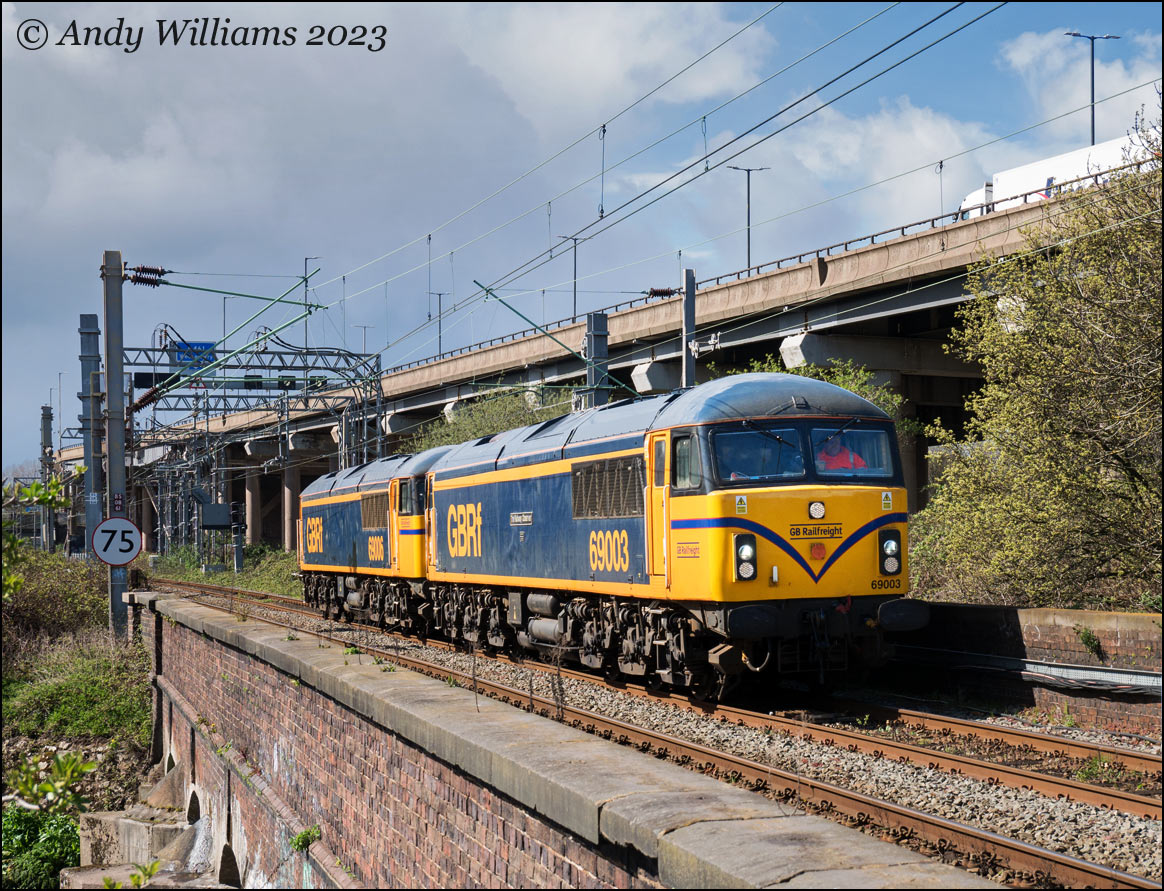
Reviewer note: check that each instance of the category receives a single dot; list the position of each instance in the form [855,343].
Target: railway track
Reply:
[967,846]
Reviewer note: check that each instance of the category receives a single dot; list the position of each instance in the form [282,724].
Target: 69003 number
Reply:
[609,551]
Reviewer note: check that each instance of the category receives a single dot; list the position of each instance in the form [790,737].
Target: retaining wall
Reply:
[1075,637]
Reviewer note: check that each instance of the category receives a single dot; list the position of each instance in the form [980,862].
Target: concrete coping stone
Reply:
[802,849]
[701,832]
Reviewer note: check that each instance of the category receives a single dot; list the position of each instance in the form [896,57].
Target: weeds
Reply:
[1091,641]
[303,840]
[265,569]
[1099,770]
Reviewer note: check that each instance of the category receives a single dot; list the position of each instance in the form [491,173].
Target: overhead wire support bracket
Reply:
[490,295]
[175,380]
[251,296]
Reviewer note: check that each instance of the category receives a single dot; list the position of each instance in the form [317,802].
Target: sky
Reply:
[480,126]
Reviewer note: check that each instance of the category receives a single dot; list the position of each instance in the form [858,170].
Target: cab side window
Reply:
[685,461]
[660,462]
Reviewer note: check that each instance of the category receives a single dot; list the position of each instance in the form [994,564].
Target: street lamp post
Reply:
[1092,38]
[748,171]
[364,347]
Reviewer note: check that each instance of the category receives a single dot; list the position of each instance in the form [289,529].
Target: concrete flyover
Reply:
[411,781]
[887,304]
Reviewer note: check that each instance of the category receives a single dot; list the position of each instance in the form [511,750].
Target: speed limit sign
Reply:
[116,541]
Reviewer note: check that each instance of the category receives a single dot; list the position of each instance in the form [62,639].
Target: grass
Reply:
[80,687]
[265,569]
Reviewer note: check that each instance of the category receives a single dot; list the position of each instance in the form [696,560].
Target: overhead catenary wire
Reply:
[567,148]
[804,208]
[589,179]
[526,268]
[882,181]
[851,192]
[646,349]
[521,270]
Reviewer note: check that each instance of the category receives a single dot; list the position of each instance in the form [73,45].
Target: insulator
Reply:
[662,292]
[148,279]
[148,398]
[158,271]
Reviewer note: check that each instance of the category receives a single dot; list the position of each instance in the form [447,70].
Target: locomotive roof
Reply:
[615,426]
[761,396]
[373,474]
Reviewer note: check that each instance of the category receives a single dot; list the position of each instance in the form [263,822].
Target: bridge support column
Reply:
[148,520]
[290,505]
[254,507]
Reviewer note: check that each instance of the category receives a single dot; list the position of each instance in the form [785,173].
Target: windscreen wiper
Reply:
[754,426]
[845,426]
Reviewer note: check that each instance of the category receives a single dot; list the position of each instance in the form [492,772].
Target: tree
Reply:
[1052,497]
[491,414]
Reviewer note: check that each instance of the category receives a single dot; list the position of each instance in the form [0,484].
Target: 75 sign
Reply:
[116,541]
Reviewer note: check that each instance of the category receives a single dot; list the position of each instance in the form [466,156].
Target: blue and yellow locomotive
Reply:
[756,522]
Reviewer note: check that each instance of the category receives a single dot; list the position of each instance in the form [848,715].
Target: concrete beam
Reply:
[655,377]
[902,354]
[313,442]
[291,491]
[261,448]
[254,506]
[403,422]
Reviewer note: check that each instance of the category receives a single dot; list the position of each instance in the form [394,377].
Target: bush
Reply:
[58,596]
[82,688]
[489,415]
[37,846]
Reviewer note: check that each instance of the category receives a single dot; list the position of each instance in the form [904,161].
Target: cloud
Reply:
[1056,72]
[616,53]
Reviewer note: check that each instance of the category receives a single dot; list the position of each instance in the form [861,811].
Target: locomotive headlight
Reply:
[745,547]
[816,510]
[889,547]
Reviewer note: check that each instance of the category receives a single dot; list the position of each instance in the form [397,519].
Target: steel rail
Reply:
[948,840]
[1144,762]
[853,740]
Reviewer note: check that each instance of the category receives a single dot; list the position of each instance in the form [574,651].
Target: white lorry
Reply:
[1038,181]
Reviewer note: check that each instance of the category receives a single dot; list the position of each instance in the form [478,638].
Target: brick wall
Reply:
[266,748]
[1126,640]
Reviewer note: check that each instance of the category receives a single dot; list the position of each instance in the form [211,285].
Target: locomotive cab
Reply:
[785,535]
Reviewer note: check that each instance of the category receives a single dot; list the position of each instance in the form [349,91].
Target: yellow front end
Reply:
[806,542]
[409,547]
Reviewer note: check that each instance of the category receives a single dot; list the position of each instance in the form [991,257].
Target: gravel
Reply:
[1112,838]
[1044,724]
